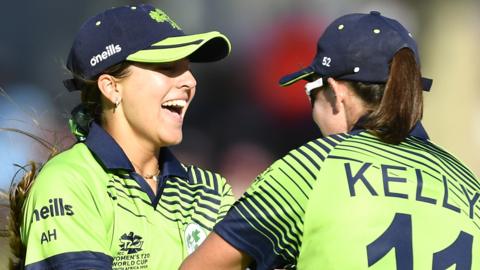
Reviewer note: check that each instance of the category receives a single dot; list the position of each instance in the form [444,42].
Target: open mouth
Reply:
[175,106]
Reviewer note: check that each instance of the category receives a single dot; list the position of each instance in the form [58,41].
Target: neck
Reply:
[355,111]
[140,151]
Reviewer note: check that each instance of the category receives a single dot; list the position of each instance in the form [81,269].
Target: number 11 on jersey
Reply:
[399,236]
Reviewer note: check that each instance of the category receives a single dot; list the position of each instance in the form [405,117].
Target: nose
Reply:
[187,80]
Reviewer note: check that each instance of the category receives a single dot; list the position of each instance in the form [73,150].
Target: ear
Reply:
[108,87]
[338,92]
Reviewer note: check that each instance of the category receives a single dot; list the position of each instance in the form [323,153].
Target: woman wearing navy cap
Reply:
[375,192]
[119,199]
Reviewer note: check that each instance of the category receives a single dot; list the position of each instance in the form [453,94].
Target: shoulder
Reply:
[206,178]
[69,168]
[299,168]
[75,157]
[312,153]
[441,159]
[69,177]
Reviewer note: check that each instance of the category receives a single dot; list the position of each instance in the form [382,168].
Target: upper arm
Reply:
[267,222]
[62,223]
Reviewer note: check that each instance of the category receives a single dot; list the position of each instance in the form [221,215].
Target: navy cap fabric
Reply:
[136,33]
[358,47]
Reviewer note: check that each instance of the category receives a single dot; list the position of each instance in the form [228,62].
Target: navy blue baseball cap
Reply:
[358,47]
[138,33]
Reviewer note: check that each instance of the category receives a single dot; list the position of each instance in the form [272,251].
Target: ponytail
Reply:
[395,111]
[17,196]
[18,193]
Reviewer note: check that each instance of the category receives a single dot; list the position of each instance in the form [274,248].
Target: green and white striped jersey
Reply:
[88,209]
[350,201]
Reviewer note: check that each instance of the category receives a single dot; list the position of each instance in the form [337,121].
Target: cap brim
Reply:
[296,76]
[307,72]
[204,47]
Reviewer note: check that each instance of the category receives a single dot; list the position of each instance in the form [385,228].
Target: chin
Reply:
[172,140]
[177,141]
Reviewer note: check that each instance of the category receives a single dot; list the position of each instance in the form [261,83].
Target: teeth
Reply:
[175,103]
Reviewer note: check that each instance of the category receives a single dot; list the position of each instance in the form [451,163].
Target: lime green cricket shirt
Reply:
[350,201]
[88,209]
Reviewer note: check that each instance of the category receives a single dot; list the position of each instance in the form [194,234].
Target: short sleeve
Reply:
[63,227]
[267,222]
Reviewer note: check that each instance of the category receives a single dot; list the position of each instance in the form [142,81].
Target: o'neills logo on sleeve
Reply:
[109,51]
[56,207]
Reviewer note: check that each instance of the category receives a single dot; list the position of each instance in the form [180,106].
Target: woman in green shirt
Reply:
[119,199]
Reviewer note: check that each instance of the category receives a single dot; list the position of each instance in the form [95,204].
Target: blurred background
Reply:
[240,119]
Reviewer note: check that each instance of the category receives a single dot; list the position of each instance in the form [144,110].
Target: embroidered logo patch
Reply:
[194,236]
[160,16]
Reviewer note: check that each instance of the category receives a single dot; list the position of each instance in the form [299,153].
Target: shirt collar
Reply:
[417,131]
[111,155]
[170,164]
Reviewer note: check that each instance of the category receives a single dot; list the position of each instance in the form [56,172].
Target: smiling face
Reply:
[154,100]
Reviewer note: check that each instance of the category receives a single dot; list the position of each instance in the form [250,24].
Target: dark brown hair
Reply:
[92,101]
[397,105]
